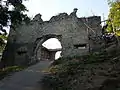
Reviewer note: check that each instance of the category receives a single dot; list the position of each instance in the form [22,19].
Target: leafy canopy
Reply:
[11,18]
[114,18]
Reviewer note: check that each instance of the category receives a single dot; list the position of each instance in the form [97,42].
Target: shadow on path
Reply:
[27,79]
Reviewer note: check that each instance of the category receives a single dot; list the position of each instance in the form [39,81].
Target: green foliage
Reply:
[114,18]
[3,38]
[15,16]
[110,2]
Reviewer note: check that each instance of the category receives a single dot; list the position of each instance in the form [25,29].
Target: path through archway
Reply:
[53,45]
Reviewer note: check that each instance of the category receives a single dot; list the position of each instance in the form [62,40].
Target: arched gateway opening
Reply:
[48,47]
[53,45]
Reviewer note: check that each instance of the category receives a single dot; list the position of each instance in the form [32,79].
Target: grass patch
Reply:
[5,71]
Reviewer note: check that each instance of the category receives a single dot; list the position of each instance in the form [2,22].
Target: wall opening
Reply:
[58,55]
[80,46]
[53,45]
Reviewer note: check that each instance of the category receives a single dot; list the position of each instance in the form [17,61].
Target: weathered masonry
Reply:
[25,43]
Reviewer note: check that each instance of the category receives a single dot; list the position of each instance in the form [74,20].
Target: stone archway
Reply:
[43,53]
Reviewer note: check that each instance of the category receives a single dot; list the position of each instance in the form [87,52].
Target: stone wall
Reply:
[73,32]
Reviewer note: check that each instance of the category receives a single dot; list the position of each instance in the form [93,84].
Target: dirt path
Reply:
[27,79]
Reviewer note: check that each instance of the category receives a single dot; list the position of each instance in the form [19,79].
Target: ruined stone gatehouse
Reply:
[25,43]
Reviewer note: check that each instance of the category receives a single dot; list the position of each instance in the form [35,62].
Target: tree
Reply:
[114,18]
[11,18]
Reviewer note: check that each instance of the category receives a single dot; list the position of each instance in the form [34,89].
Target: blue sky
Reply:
[48,8]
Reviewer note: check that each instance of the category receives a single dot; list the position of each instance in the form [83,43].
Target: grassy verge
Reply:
[6,71]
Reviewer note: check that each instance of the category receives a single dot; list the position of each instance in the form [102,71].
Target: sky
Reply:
[52,45]
[49,8]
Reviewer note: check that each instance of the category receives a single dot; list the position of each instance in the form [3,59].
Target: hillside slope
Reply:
[96,71]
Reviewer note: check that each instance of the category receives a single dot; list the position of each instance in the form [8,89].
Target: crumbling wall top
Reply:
[38,18]
[62,16]
[74,12]
[59,17]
